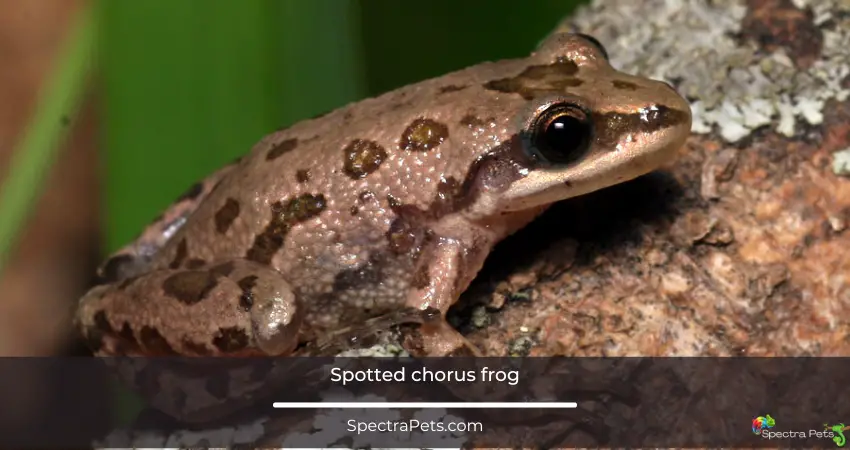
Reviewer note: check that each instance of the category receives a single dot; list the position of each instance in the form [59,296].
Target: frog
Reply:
[381,207]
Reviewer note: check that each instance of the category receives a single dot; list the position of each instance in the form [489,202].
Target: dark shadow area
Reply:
[599,221]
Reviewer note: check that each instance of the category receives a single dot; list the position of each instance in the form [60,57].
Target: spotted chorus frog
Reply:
[384,205]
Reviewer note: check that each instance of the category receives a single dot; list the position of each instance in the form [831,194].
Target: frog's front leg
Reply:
[450,263]
[235,307]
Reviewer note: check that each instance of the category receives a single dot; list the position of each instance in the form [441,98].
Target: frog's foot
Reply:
[237,307]
[368,333]
[438,338]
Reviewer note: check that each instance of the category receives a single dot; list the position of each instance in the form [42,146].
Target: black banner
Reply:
[448,402]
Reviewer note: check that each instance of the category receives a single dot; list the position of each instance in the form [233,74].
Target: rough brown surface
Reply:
[735,249]
[734,252]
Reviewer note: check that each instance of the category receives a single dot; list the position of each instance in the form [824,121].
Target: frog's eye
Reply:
[596,44]
[562,133]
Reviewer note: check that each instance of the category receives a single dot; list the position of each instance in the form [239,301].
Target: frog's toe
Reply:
[437,338]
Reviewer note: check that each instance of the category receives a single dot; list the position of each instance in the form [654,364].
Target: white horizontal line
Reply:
[424,405]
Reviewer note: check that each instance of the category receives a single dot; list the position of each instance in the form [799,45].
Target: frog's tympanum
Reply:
[387,204]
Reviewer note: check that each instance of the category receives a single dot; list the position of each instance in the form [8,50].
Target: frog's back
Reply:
[324,198]
[389,203]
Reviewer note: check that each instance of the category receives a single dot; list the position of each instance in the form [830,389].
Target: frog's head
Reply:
[586,126]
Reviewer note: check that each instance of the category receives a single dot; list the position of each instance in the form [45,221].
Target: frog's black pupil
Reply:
[565,138]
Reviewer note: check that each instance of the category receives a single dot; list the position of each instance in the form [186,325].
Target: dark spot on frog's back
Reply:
[284,216]
[625,85]
[231,339]
[154,343]
[406,233]
[362,157]
[538,80]
[225,216]
[190,287]
[302,176]
[280,148]
[302,208]
[423,134]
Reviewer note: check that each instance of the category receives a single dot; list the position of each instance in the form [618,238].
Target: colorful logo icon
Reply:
[761,423]
[838,431]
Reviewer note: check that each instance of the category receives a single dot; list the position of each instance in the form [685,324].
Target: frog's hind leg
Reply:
[230,308]
[134,258]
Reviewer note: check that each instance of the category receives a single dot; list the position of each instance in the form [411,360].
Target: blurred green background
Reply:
[191,84]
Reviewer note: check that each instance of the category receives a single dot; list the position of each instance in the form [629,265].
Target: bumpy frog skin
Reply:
[384,205]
